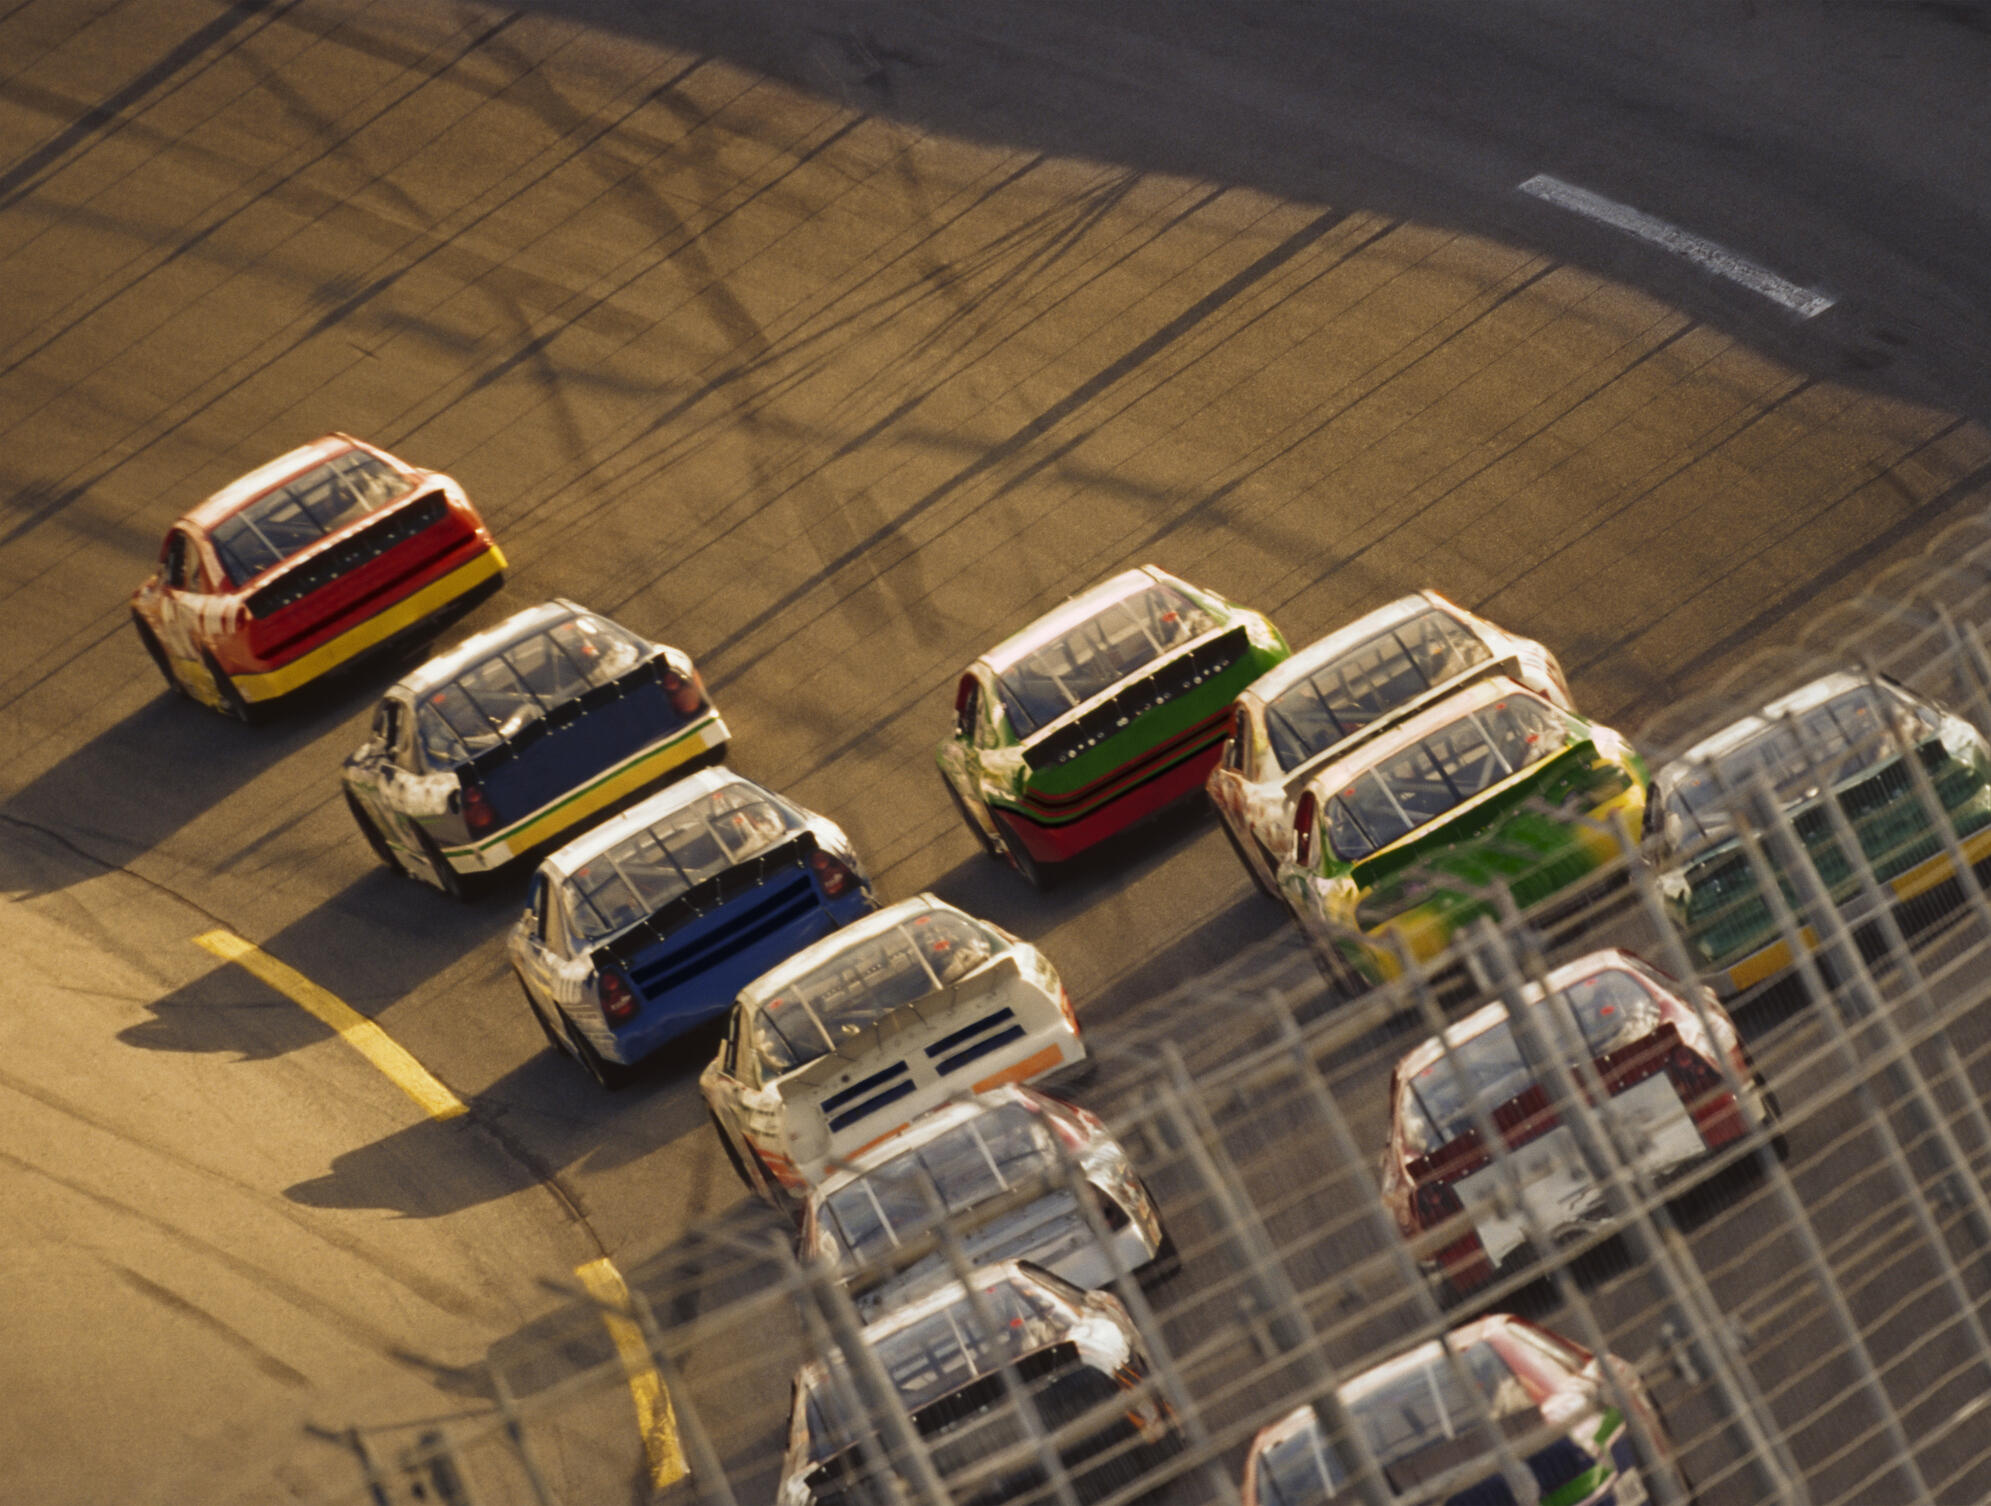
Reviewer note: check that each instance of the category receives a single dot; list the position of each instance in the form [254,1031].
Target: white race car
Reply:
[850,1040]
[1289,723]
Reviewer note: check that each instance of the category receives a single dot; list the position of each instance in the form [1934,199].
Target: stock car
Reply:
[497,746]
[304,564]
[951,1358]
[648,925]
[1406,839]
[1098,715]
[1547,1396]
[1841,734]
[1351,684]
[992,1167]
[1661,1072]
[847,1042]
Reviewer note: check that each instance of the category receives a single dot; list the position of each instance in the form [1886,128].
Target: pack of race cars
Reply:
[884,1066]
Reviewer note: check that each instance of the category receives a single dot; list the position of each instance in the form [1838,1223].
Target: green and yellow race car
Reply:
[1841,734]
[1409,836]
[1099,714]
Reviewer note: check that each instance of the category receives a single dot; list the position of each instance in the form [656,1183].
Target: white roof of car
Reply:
[878,921]
[1815,693]
[1443,713]
[453,661]
[1281,677]
[596,840]
[924,1130]
[1062,619]
[1485,1018]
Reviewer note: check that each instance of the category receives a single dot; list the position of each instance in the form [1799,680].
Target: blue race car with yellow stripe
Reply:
[647,926]
[519,737]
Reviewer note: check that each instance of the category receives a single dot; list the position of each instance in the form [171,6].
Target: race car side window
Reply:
[535,904]
[182,562]
[967,703]
[1239,742]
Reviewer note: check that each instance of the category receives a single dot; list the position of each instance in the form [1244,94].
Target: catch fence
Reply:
[1806,1306]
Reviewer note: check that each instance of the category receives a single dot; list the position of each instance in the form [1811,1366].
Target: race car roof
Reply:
[1745,729]
[922,1131]
[1485,1018]
[676,796]
[452,662]
[240,492]
[1062,619]
[1441,714]
[768,984]
[1282,676]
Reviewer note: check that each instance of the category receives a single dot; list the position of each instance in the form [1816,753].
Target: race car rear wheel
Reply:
[968,820]
[232,703]
[447,878]
[165,665]
[371,831]
[607,1074]
[732,1151]
[553,1037]
[1037,875]
[1258,879]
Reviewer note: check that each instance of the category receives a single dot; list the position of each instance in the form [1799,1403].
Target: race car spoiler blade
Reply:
[1168,677]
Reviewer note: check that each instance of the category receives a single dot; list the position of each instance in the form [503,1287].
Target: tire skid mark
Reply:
[201,1318]
[25,175]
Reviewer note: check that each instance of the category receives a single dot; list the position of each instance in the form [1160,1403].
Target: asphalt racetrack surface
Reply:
[831,343]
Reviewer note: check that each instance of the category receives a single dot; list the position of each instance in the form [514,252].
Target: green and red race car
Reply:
[1408,838]
[1099,714]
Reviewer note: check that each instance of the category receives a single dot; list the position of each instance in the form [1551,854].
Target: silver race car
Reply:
[1290,722]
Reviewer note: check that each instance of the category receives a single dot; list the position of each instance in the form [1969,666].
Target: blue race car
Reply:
[649,925]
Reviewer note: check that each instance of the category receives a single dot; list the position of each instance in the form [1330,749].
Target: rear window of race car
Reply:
[1119,640]
[865,981]
[299,513]
[1368,682]
[520,683]
[1611,1009]
[682,849]
[1441,772]
[970,1163]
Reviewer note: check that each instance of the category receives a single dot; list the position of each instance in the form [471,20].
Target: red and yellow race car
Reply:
[304,564]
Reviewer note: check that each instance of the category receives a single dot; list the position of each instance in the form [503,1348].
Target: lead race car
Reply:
[518,734]
[303,565]
[845,1044]
[1349,685]
[646,926]
[1098,714]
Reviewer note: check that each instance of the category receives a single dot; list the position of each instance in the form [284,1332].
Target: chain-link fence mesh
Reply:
[1801,1297]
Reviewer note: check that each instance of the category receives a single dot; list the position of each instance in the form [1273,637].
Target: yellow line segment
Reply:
[354,1028]
[654,1416]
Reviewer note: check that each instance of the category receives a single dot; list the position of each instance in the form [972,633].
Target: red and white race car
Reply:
[304,564]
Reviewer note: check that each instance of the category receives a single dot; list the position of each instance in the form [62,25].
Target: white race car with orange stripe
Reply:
[850,1040]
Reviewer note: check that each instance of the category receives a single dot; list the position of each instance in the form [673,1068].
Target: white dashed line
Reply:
[1806,303]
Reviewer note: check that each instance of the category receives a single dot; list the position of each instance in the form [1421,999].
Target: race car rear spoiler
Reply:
[1162,682]
[638,677]
[623,948]
[911,1059]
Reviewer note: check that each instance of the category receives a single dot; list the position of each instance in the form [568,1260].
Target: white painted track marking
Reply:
[1806,303]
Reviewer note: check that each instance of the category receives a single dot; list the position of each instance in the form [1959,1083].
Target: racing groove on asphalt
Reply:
[827,401]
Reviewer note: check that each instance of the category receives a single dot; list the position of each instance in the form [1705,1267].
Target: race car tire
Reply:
[553,1037]
[732,1151]
[1258,878]
[447,879]
[233,706]
[607,1074]
[1039,876]
[988,843]
[369,829]
[152,646]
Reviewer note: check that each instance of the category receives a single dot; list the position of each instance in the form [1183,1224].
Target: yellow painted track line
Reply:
[655,1418]
[354,1028]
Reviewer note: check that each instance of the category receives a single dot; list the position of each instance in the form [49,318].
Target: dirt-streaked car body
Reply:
[1349,685]
[1641,1040]
[991,1166]
[1546,1395]
[1407,839]
[1840,733]
[304,564]
[1098,715]
[1074,1354]
[846,1043]
[500,745]
[648,925]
